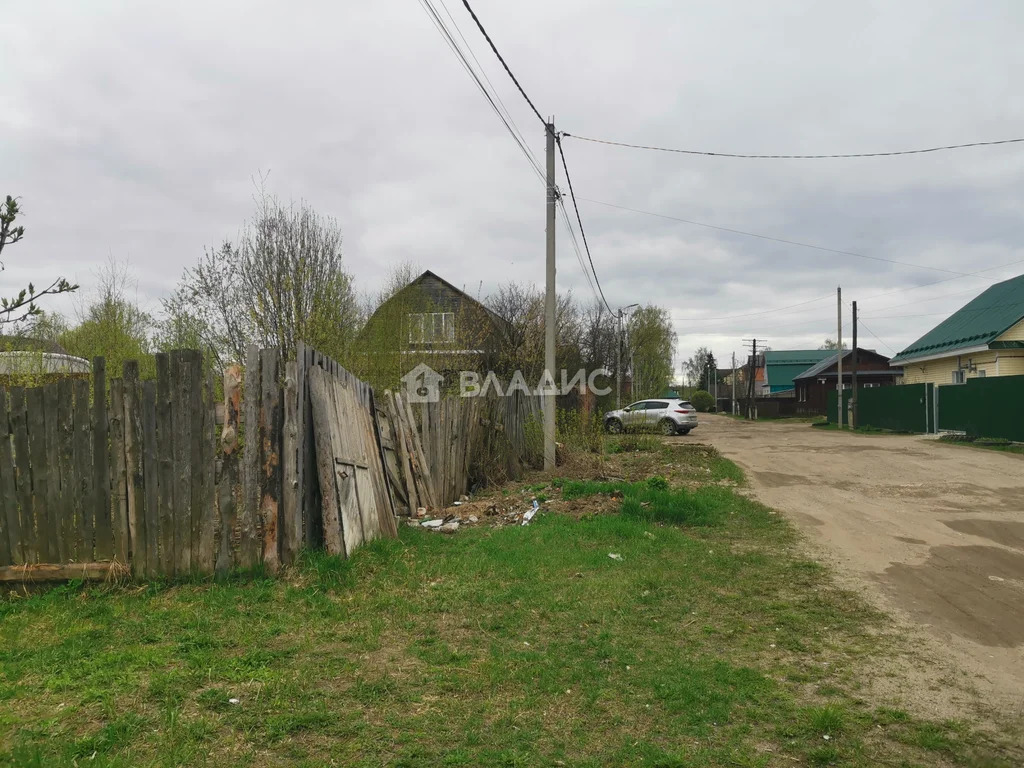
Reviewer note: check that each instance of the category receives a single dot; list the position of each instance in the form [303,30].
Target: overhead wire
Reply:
[446,34]
[796,157]
[780,239]
[579,220]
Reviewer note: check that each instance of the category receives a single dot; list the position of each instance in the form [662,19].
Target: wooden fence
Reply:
[156,479]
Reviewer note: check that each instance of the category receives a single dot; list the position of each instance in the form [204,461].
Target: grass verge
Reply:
[705,644]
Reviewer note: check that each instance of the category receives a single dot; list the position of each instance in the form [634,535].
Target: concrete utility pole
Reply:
[853,371]
[839,356]
[549,306]
[733,382]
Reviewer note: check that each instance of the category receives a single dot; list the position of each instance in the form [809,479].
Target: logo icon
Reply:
[423,384]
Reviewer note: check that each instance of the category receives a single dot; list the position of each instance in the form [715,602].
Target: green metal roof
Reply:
[977,323]
[781,365]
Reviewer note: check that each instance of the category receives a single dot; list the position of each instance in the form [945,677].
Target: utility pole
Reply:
[753,369]
[549,306]
[733,409]
[839,356]
[854,422]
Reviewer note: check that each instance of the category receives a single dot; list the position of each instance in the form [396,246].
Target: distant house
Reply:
[813,385]
[28,361]
[983,338]
[778,367]
[430,321]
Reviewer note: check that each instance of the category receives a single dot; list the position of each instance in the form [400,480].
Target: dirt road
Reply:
[931,533]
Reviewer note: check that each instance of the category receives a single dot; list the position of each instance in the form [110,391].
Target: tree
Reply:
[832,344]
[23,305]
[282,282]
[113,325]
[695,369]
[652,343]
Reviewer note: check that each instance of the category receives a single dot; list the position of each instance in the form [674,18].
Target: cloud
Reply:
[136,130]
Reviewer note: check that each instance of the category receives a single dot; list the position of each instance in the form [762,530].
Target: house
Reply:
[777,368]
[429,321]
[813,385]
[983,338]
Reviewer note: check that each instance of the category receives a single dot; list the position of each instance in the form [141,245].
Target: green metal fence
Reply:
[907,408]
[985,407]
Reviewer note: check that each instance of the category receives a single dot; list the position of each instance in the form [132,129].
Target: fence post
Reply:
[291,517]
[101,461]
[181,375]
[248,546]
[83,474]
[10,524]
[119,485]
[270,445]
[226,499]
[165,464]
[133,462]
[208,471]
[195,452]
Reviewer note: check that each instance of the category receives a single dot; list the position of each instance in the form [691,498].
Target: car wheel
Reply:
[613,427]
[668,427]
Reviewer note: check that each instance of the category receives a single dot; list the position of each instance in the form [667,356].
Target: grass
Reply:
[991,444]
[708,641]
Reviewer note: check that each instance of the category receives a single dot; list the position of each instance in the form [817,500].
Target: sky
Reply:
[134,131]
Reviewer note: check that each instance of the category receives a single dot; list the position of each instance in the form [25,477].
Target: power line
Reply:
[505,118]
[502,60]
[861,323]
[783,240]
[797,157]
[764,312]
[579,220]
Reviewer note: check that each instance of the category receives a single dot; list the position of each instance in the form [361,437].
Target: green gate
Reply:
[905,408]
[984,407]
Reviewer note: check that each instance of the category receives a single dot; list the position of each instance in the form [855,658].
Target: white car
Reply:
[669,416]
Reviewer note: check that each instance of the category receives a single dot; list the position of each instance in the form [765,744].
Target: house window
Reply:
[981,373]
[958,376]
[431,327]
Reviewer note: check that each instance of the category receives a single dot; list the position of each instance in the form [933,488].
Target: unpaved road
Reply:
[931,533]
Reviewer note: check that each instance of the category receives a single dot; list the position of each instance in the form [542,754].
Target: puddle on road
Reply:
[1009,533]
[954,590]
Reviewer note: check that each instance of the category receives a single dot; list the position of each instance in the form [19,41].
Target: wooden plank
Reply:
[151,475]
[54,516]
[10,515]
[35,411]
[23,475]
[62,572]
[348,463]
[195,453]
[61,482]
[101,462]
[119,481]
[291,519]
[249,545]
[181,374]
[334,541]
[136,491]
[380,440]
[167,553]
[226,486]
[301,435]
[270,459]
[85,504]
[208,511]
[312,513]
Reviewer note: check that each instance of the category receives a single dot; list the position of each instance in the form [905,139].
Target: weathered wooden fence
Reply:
[156,479]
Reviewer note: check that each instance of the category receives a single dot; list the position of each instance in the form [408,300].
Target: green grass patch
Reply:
[696,646]
[631,443]
[989,443]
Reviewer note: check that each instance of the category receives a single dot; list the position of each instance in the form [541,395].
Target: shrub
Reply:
[702,400]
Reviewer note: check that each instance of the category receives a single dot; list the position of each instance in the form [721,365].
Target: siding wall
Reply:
[1016,333]
[1011,363]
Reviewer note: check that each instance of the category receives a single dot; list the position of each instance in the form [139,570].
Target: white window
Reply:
[958,376]
[981,373]
[431,327]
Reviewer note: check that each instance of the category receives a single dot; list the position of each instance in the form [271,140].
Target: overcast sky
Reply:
[134,130]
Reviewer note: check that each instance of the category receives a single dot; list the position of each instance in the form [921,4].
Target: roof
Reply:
[819,368]
[29,344]
[782,365]
[427,276]
[978,323]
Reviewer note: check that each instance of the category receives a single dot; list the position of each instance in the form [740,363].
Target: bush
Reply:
[702,400]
